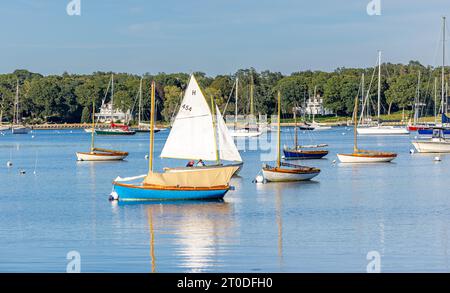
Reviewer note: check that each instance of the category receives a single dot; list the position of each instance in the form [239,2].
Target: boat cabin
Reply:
[438,133]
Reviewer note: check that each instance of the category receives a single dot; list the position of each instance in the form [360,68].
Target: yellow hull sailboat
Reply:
[188,185]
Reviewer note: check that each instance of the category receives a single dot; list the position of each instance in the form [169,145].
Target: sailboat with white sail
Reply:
[17,127]
[189,185]
[198,133]
[379,129]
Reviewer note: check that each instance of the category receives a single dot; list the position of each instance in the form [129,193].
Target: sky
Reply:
[216,36]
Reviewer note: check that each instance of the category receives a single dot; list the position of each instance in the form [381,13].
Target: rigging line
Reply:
[229,97]
[366,97]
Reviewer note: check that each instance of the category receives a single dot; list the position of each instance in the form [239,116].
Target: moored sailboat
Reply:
[193,185]
[248,131]
[99,154]
[284,172]
[17,127]
[299,152]
[364,156]
[200,134]
[379,129]
[115,129]
[436,144]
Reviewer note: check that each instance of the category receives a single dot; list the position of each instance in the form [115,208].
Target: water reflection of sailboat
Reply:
[279,206]
[198,230]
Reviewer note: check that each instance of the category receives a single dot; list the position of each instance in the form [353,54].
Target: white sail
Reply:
[227,148]
[192,134]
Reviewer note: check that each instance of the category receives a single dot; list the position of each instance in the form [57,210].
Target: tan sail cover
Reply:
[201,178]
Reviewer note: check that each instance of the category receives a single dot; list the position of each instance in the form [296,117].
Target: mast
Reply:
[16,106]
[379,85]
[314,101]
[443,63]
[416,102]
[295,129]
[236,104]
[140,102]
[93,125]
[112,98]
[279,130]
[214,130]
[363,94]
[152,128]
[435,100]
[251,97]
[355,123]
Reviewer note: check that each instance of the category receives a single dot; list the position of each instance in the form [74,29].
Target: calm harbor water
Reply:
[401,210]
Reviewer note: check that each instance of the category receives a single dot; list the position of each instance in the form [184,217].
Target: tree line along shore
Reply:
[67,98]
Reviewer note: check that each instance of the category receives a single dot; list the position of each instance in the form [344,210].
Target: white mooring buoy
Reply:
[9,164]
[411,151]
[259,179]
[113,196]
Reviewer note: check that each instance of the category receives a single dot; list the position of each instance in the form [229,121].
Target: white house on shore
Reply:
[105,114]
[314,106]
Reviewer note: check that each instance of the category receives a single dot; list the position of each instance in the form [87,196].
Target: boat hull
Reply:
[129,192]
[431,147]
[430,131]
[114,132]
[197,168]
[361,158]
[20,130]
[303,154]
[382,130]
[100,156]
[277,176]
[245,133]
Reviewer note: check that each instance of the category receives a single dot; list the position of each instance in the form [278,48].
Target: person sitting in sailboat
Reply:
[200,163]
[190,164]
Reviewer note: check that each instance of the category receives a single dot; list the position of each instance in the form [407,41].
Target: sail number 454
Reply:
[186,107]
